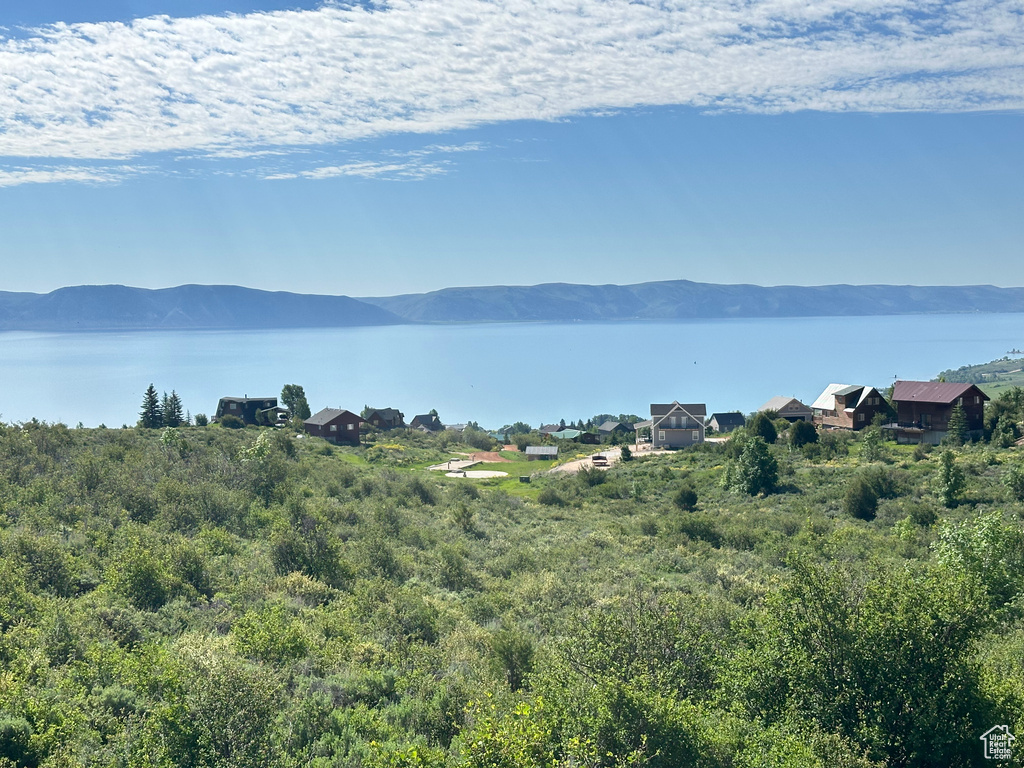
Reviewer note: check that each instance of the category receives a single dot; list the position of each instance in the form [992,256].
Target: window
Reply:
[334,427]
[661,434]
[977,399]
[234,406]
[350,427]
[860,417]
[696,435]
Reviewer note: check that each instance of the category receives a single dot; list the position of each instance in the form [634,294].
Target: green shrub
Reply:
[802,433]
[757,471]
[686,498]
[15,740]
[549,497]
[860,499]
[512,653]
[700,528]
[230,421]
[761,425]
[139,577]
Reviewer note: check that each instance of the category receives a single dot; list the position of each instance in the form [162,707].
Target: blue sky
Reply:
[404,146]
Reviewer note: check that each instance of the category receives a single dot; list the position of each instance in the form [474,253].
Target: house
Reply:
[677,425]
[334,425]
[385,418]
[251,410]
[849,406]
[788,408]
[612,427]
[576,435]
[923,409]
[726,422]
[426,422]
[550,429]
[566,434]
[541,452]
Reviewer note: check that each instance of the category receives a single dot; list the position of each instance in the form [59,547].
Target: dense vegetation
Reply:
[204,596]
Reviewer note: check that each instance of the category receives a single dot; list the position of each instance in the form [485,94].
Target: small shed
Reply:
[541,452]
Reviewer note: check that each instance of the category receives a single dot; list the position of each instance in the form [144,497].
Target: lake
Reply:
[494,374]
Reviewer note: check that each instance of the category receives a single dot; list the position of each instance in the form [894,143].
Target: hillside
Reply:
[118,307]
[683,299]
[212,597]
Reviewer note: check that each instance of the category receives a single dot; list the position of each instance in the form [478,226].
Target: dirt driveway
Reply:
[491,457]
[572,467]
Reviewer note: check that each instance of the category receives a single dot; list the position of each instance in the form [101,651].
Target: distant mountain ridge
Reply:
[683,299]
[117,307]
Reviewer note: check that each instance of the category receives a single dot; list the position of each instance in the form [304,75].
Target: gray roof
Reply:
[694,409]
[608,426]
[731,418]
[328,415]
[849,390]
[542,450]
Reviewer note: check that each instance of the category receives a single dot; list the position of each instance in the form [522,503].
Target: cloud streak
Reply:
[245,85]
[14,177]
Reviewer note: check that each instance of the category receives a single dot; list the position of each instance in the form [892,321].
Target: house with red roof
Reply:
[923,409]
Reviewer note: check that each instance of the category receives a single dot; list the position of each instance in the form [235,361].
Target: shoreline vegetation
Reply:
[222,307]
[199,595]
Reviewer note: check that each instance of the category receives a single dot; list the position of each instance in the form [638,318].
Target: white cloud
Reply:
[239,86]
[13,177]
[367,169]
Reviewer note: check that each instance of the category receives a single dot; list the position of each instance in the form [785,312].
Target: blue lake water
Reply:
[495,373]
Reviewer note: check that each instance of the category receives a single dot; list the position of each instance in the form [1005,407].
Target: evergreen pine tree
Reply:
[951,480]
[958,433]
[152,416]
[172,410]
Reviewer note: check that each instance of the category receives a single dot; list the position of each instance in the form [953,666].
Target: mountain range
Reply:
[116,307]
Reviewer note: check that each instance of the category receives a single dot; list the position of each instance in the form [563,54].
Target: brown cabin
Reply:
[849,406]
[251,410]
[334,425]
[923,409]
[385,418]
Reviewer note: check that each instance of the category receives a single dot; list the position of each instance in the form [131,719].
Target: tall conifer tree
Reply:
[172,410]
[151,416]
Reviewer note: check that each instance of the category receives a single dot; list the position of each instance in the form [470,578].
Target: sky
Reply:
[378,148]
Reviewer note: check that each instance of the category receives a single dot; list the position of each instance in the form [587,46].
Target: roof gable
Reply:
[782,403]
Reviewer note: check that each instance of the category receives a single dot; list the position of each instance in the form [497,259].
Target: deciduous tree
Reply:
[293,397]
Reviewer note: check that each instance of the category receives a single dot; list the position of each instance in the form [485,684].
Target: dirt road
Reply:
[572,467]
